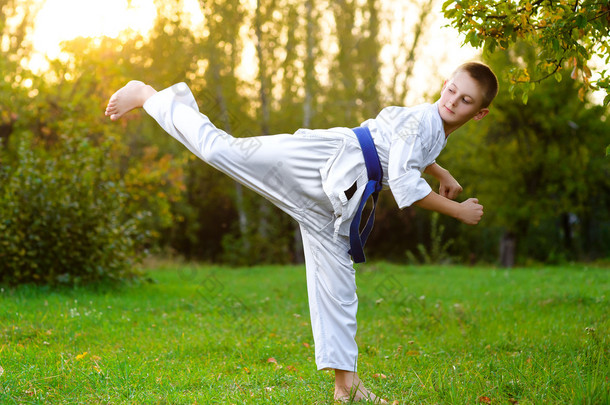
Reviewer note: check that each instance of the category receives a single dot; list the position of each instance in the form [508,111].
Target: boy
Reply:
[319,178]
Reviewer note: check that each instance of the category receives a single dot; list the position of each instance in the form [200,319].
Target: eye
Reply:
[467,101]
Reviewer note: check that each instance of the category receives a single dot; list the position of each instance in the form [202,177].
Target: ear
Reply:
[480,114]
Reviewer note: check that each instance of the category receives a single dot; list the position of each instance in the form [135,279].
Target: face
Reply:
[461,100]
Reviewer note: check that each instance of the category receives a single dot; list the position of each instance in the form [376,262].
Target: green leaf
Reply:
[490,45]
[475,41]
[511,90]
[556,47]
[558,76]
[468,36]
[447,4]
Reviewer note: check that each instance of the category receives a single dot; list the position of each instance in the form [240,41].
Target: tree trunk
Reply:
[566,225]
[409,62]
[508,244]
[263,228]
[262,78]
[239,194]
[309,66]
[299,255]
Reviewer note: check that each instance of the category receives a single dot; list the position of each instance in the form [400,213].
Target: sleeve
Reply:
[405,167]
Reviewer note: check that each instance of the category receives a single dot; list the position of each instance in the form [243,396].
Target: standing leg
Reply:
[333,303]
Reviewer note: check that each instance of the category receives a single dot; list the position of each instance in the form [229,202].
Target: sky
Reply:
[60,20]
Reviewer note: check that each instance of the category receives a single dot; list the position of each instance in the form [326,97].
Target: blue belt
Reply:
[373,187]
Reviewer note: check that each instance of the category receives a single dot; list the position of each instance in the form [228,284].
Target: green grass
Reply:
[439,335]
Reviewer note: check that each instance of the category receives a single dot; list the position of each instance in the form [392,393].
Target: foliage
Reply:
[539,170]
[318,66]
[63,217]
[569,34]
[438,252]
[154,183]
[451,335]
[76,200]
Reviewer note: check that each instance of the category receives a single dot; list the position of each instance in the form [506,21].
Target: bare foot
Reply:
[132,95]
[349,388]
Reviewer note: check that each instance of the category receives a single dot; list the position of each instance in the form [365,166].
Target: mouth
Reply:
[446,108]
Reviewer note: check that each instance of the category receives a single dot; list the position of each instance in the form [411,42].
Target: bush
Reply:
[63,217]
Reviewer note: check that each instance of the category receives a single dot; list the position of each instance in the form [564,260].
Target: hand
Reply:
[449,187]
[471,211]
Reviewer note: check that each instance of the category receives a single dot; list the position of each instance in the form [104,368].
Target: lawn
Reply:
[205,334]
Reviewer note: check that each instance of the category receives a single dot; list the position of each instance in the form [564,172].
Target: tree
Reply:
[538,168]
[319,64]
[75,200]
[569,34]
[13,92]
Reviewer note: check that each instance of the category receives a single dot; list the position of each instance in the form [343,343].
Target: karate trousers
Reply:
[285,169]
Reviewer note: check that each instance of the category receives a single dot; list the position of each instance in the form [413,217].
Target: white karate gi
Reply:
[306,175]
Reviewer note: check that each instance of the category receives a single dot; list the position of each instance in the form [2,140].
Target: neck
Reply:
[449,129]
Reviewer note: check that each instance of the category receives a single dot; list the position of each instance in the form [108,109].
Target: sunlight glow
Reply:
[61,20]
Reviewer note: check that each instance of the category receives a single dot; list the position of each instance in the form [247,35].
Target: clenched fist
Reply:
[470,211]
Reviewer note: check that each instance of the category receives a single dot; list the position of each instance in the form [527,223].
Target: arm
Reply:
[449,187]
[468,212]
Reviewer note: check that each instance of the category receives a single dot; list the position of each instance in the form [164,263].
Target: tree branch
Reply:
[557,67]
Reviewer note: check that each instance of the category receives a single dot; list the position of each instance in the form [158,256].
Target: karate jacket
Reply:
[408,139]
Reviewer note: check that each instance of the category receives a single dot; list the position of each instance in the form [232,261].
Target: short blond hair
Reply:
[483,75]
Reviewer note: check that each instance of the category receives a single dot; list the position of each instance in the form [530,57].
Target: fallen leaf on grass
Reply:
[80,356]
[306,344]
[1,371]
[485,400]
[271,360]
[379,375]
[513,401]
